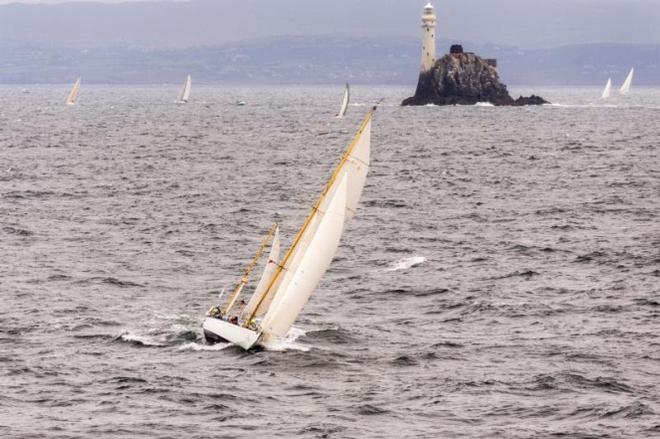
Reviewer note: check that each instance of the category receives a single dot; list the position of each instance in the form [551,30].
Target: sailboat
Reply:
[625,88]
[607,90]
[344,103]
[73,95]
[185,91]
[287,284]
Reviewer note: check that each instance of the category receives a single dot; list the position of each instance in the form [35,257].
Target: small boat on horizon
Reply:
[625,88]
[73,94]
[184,96]
[608,89]
[286,285]
[344,102]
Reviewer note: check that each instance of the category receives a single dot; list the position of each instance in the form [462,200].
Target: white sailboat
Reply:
[625,88]
[608,89]
[185,91]
[344,102]
[73,94]
[286,285]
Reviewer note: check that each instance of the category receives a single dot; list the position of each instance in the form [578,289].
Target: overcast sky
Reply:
[525,23]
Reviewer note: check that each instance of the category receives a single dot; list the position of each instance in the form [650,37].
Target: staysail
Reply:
[344,103]
[607,90]
[266,277]
[625,88]
[185,91]
[73,95]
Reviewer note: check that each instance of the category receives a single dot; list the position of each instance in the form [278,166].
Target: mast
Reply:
[248,270]
[283,266]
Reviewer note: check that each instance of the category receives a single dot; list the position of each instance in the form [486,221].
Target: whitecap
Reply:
[484,104]
[193,346]
[406,263]
[139,339]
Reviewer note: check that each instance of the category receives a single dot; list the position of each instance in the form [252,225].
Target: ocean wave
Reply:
[406,263]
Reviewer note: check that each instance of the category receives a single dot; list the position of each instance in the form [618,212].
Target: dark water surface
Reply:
[501,278]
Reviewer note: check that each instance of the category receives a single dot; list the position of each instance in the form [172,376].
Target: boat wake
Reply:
[406,263]
[288,343]
[194,346]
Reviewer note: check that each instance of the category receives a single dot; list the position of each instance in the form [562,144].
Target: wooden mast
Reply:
[248,270]
[281,267]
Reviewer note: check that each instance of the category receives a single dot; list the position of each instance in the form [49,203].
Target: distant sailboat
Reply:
[185,91]
[625,88]
[344,103]
[608,89]
[73,95]
[287,284]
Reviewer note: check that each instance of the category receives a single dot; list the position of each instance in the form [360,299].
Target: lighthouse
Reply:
[428,38]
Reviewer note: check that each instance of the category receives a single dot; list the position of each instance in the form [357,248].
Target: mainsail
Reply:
[312,261]
[312,250]
[625,88]
[73,95]
[344,103]
[185,91]
[608,89]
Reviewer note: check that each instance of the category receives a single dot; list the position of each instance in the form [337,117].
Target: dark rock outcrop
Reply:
[464,79]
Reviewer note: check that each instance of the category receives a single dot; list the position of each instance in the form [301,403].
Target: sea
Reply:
[501,278]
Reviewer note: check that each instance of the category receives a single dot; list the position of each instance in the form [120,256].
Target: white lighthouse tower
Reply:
[428,38]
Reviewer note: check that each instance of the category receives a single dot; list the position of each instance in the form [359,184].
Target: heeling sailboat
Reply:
[625,88]
[607,90]
[344,102]
[287,285]
[185,91]
[73,94]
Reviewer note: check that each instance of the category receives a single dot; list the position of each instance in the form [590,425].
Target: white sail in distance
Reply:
[73,94]
[266,277]
[344,102]
[625,88]
[185,91]
[607,90]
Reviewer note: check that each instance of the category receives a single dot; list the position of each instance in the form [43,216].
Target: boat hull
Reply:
[216,330]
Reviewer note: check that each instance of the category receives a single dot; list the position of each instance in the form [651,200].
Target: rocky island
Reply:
[460,78]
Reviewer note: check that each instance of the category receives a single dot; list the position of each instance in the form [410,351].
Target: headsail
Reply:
[73,94]
[607,90]
[344,103]
[185,91]
[625,88]
[266,277]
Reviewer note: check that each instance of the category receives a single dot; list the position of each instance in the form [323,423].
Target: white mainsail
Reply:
[312,262]
[266,278]
[607,90]
[344,103]
[73,95]
[625,88]
[185,91]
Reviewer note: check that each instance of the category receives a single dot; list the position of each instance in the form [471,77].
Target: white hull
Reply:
[235,334]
